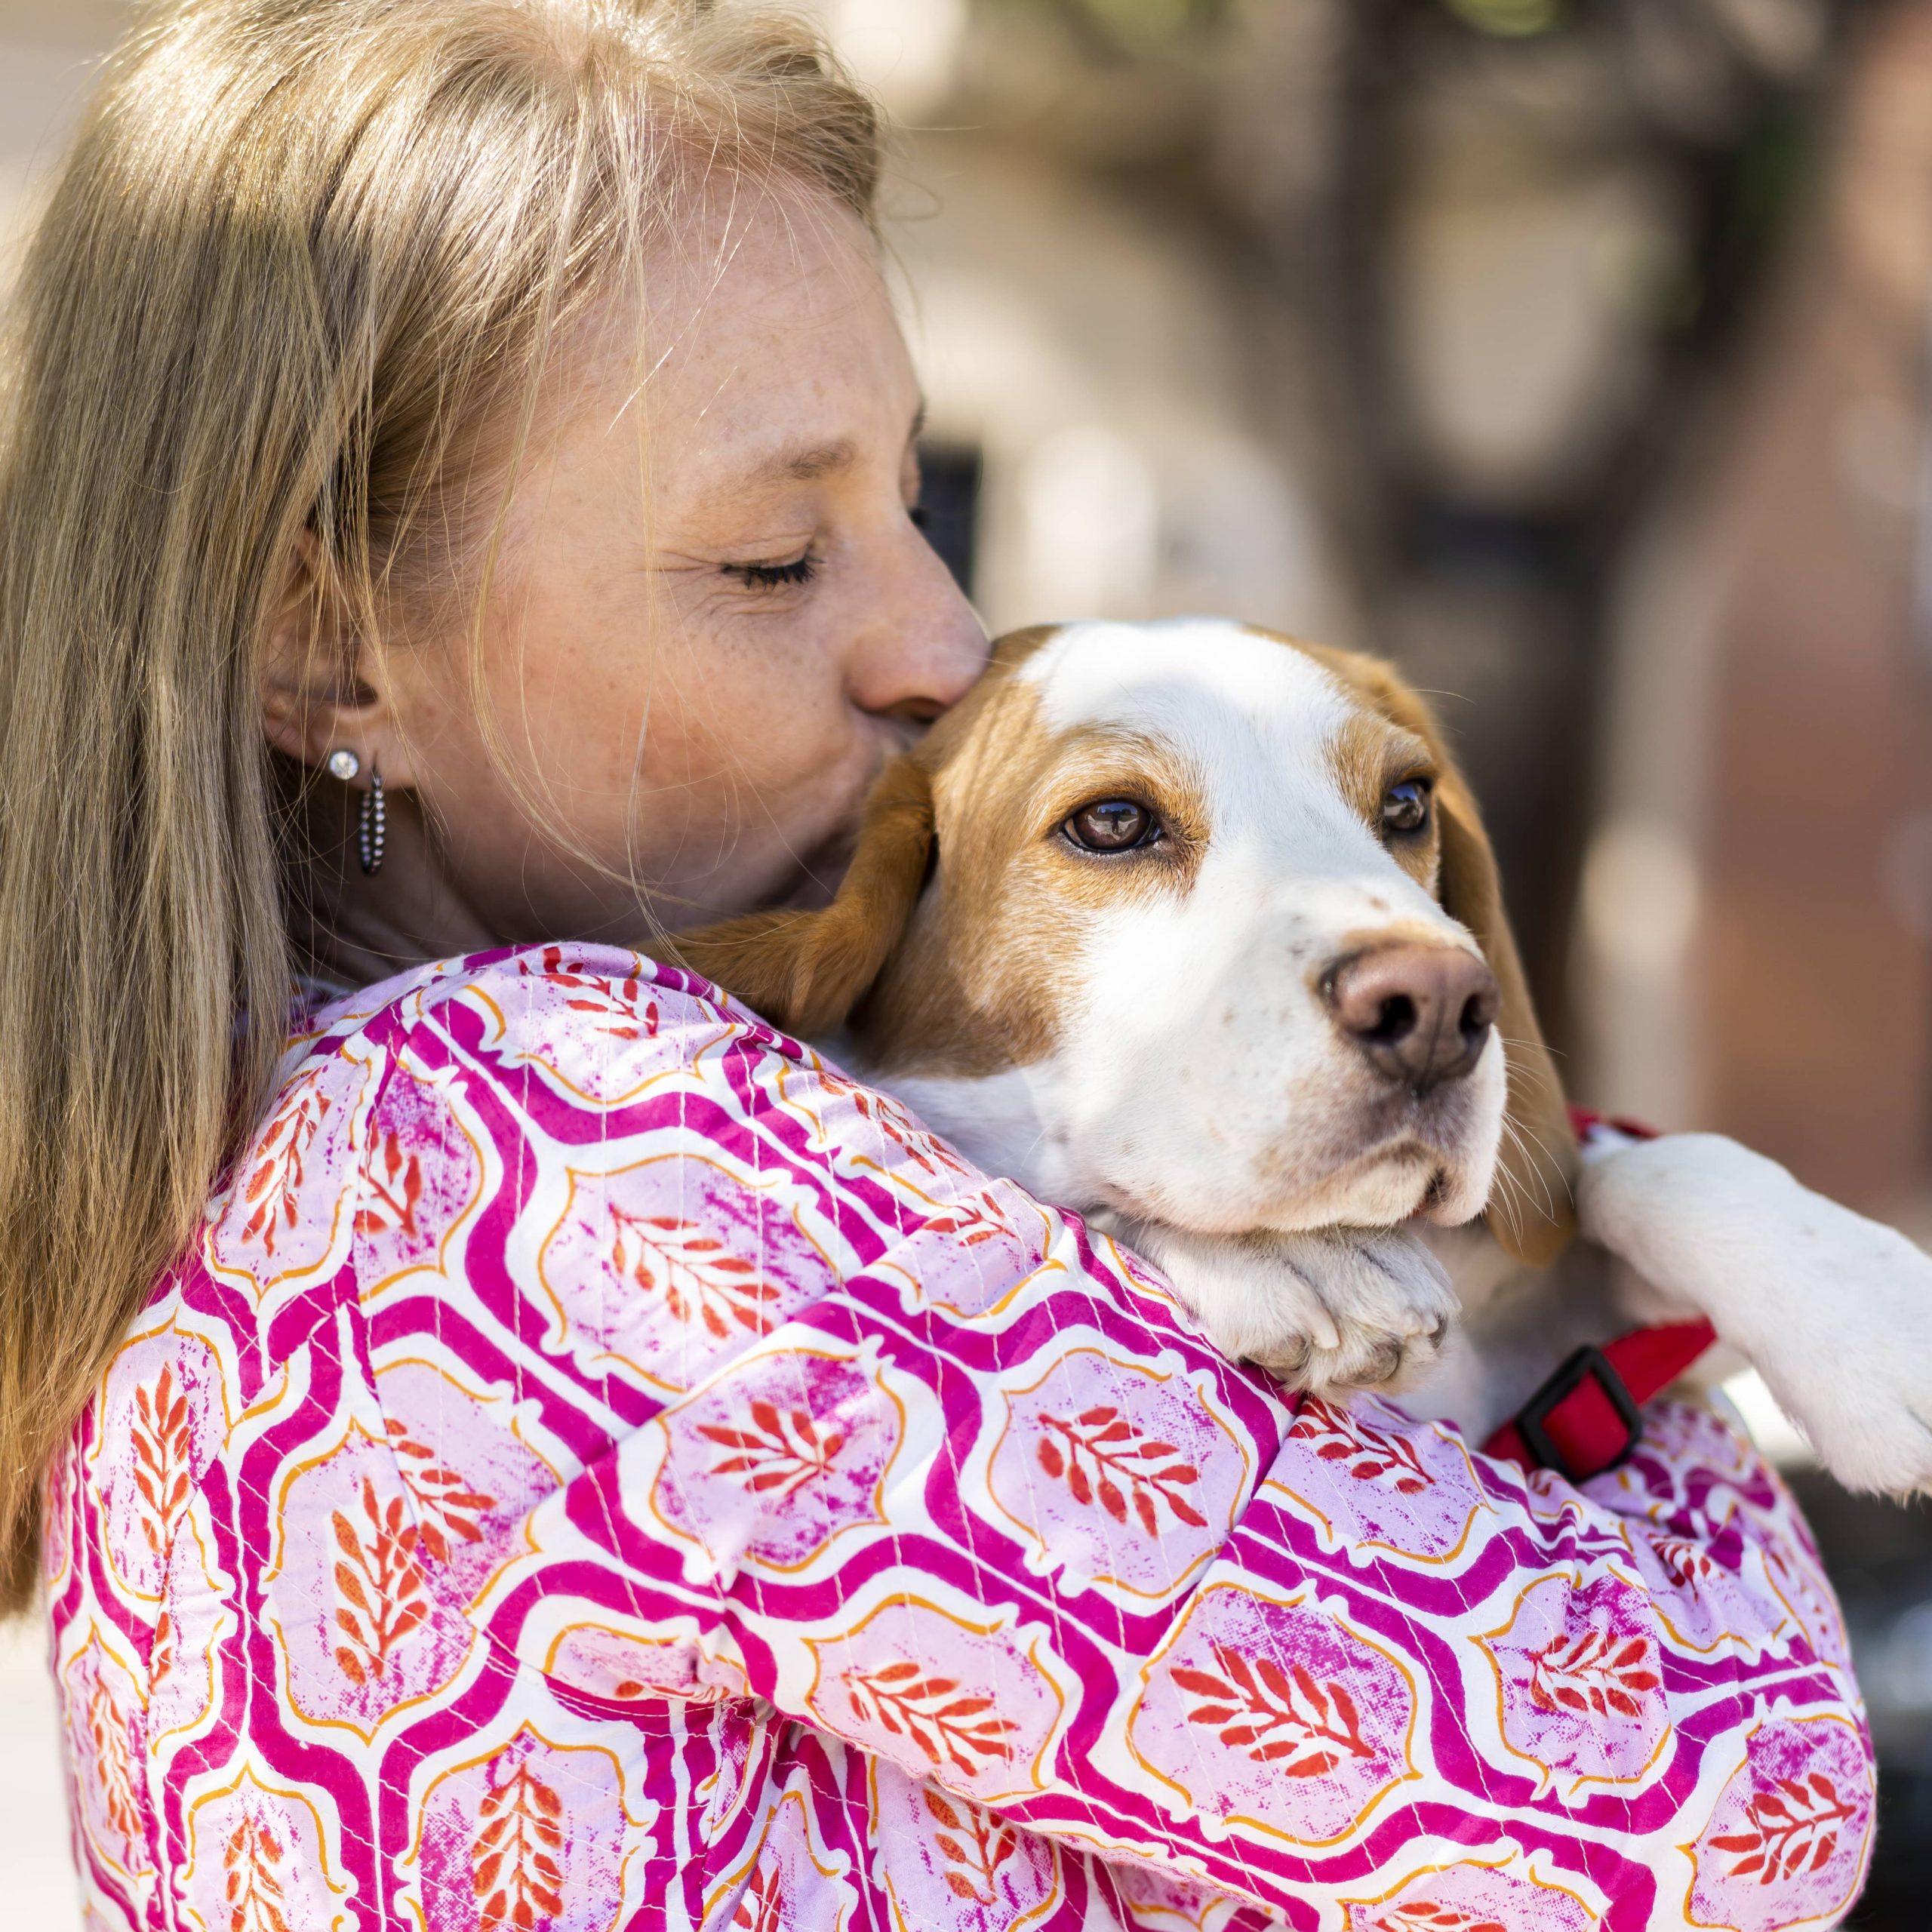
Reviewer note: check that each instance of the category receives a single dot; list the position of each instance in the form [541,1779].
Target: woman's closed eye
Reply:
[773,576]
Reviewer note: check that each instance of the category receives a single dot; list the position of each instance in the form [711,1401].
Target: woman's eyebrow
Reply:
[801,463]
[808,464]
[805,462]
[791,462]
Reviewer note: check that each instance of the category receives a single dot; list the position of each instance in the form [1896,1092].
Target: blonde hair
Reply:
[305,257]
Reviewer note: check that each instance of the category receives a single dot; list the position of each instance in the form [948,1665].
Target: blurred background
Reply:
[1573,353]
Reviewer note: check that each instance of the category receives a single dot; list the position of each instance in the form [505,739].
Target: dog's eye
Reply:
[1112,825]
[1405,807]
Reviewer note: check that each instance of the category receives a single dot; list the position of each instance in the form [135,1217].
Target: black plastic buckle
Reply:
[1588,1362]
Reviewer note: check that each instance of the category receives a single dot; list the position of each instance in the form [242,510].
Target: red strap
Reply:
[1586,1424]
[1581,1119]
[1584,1420]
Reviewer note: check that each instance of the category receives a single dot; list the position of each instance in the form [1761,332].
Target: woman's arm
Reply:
[838,1424]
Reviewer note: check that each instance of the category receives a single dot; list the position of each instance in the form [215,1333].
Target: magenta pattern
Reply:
[602,1468]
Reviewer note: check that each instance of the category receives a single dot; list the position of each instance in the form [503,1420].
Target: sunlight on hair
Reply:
[302,280]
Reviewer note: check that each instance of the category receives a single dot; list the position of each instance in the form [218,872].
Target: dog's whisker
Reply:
[1555,1166]
[1513,1203]
[1530,1046]
[1520,1138]
[1531,1074]
[1505,1192]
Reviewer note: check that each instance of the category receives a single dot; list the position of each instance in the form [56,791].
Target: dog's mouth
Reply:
[1404,1179]
[1405,1175]
[1420,1160]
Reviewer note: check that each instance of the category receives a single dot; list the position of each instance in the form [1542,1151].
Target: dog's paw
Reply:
[1328,1310]
[1854,1370]
[1834,1311]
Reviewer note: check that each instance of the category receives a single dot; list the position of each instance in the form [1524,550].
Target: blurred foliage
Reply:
[1513,19]
[1132,24]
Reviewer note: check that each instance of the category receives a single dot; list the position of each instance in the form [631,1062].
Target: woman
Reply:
[554,1452]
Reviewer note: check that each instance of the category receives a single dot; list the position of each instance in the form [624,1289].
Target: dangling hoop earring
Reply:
[373,828]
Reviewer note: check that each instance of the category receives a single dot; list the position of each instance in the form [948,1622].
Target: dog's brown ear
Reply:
[805,971]
[1531,1211]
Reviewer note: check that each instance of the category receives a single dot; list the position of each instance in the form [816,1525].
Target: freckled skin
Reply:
[667,722]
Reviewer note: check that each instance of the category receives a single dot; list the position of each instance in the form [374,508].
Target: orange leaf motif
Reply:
[1368,1455]
[618,1009]
[448,1509]
[163,1450]
[1421,1915]
[113,1767]
[161,1657]
[758,1904]
[972,1219]
[269,1189]
[780,1452]
[1103,1459]
[393,1187]
[1791,1827]
[974,1844]
[1287,1717]
[930,1711]
[930,1155]
[380,1593]
[1593,1672]
[1687,1563]
[514,1869]
[250,1888]
[699,1278]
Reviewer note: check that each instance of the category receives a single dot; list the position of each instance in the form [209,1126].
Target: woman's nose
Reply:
[922,645]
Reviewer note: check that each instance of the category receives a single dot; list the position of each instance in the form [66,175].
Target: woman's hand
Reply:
[1833,1310]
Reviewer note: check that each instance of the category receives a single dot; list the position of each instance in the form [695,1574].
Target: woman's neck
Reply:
[351,929]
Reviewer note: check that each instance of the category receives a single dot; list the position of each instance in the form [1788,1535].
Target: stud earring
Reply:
[373,828]
[344,765]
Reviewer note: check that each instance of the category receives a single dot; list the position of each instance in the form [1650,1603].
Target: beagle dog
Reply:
[1194,928]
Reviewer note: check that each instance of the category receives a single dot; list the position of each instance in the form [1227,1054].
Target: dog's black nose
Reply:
[1420,1013]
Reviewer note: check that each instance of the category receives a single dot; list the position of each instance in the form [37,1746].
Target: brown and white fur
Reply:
[1286,1052]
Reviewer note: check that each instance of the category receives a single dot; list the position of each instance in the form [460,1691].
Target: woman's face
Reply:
[712,625]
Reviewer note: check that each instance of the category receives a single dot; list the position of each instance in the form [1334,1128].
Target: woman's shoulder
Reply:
[478,1061]
[556,1062]
[582,1005]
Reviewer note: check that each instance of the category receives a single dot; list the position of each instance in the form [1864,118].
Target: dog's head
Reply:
[1224,902]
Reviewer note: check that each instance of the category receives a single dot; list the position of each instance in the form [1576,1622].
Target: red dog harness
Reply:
[1587,1418]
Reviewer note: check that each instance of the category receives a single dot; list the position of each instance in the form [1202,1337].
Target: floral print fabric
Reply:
[600,1467]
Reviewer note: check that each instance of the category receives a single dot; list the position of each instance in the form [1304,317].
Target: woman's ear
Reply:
[321,690]
[805,972]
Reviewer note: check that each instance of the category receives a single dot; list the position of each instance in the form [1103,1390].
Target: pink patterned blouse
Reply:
[602,1468]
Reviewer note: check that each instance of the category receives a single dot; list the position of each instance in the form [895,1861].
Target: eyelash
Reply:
[774,577]
[800,570]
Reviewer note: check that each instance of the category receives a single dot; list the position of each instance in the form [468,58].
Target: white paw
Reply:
[1329,1309]
[1833,1310]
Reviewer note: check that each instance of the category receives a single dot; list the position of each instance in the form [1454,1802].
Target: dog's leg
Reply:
[1326,1310]
[1833,1310]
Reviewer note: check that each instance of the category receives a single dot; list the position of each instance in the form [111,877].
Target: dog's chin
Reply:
[1380,1189]
[1460,1189]
[1383,1188]
[1408,1178]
